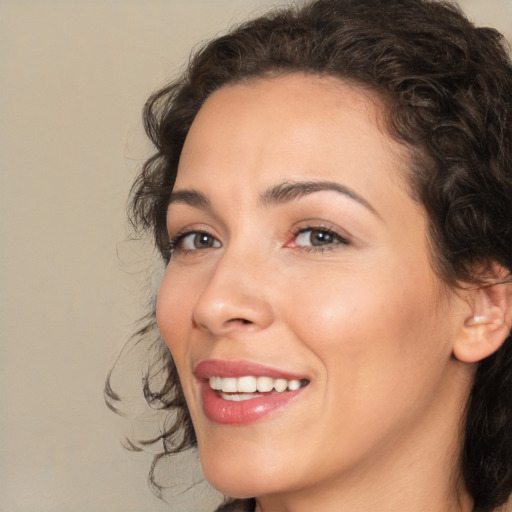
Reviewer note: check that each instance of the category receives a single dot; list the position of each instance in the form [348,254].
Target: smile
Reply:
[246,387]
[236,392]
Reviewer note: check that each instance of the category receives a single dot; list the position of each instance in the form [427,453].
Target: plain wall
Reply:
[73,78]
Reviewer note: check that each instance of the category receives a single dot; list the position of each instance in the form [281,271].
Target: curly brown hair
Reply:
[447,89]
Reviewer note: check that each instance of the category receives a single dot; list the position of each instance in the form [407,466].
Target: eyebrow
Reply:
[278,194]
[191,198]
[290,190]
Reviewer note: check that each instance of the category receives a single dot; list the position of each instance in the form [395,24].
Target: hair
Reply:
[446,88]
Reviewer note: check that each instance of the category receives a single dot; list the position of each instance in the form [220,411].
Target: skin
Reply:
[363,316]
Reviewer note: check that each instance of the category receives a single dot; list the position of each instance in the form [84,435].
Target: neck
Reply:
[428,498]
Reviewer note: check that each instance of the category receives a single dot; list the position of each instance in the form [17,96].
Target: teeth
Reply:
[216,383]
[246,384]
[238,397]
[293,385]
[229,385]
[265,384]
[280,385]
[251,384]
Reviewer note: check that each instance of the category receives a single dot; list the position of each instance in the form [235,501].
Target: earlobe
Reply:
[488,325]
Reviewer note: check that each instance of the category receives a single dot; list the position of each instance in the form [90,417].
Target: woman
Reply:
[332,196]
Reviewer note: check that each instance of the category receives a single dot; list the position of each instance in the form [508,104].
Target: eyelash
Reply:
[174,243]
[337,239]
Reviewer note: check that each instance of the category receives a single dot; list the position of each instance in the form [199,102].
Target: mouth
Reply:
[237,392]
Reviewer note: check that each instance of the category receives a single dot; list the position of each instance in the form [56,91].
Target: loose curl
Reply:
[446,87]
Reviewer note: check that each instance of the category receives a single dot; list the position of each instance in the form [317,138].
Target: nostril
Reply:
[232,322]
[242,321]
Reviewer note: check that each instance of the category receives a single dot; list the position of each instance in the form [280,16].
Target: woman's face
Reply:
[301,263]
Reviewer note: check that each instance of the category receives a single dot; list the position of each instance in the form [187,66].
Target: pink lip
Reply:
[228,412]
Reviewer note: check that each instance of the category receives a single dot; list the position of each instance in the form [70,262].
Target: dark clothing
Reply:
[238,506]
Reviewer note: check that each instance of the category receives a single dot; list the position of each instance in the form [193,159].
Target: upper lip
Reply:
[223,368]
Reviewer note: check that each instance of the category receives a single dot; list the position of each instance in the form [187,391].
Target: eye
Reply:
[318,238]
[193,241]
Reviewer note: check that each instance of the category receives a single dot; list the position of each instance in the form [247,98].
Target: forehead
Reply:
[291,127]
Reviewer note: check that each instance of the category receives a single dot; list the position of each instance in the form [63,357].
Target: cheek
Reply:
[173,311]
[174,319]
[381,349]
[364,325]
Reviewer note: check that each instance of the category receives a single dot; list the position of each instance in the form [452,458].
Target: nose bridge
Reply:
[235,297]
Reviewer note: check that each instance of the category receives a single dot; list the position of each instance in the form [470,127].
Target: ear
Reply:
[488,324]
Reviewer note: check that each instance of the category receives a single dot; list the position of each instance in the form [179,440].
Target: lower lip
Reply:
[228,412]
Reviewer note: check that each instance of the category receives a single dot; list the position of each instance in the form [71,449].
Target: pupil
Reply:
[202,240]
[321,238]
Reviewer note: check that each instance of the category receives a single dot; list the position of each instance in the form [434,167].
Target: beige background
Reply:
[73,78]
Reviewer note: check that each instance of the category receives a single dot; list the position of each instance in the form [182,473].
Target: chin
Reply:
[240,478]
[237,485]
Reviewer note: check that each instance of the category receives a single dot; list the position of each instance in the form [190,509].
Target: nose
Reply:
[235,299]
